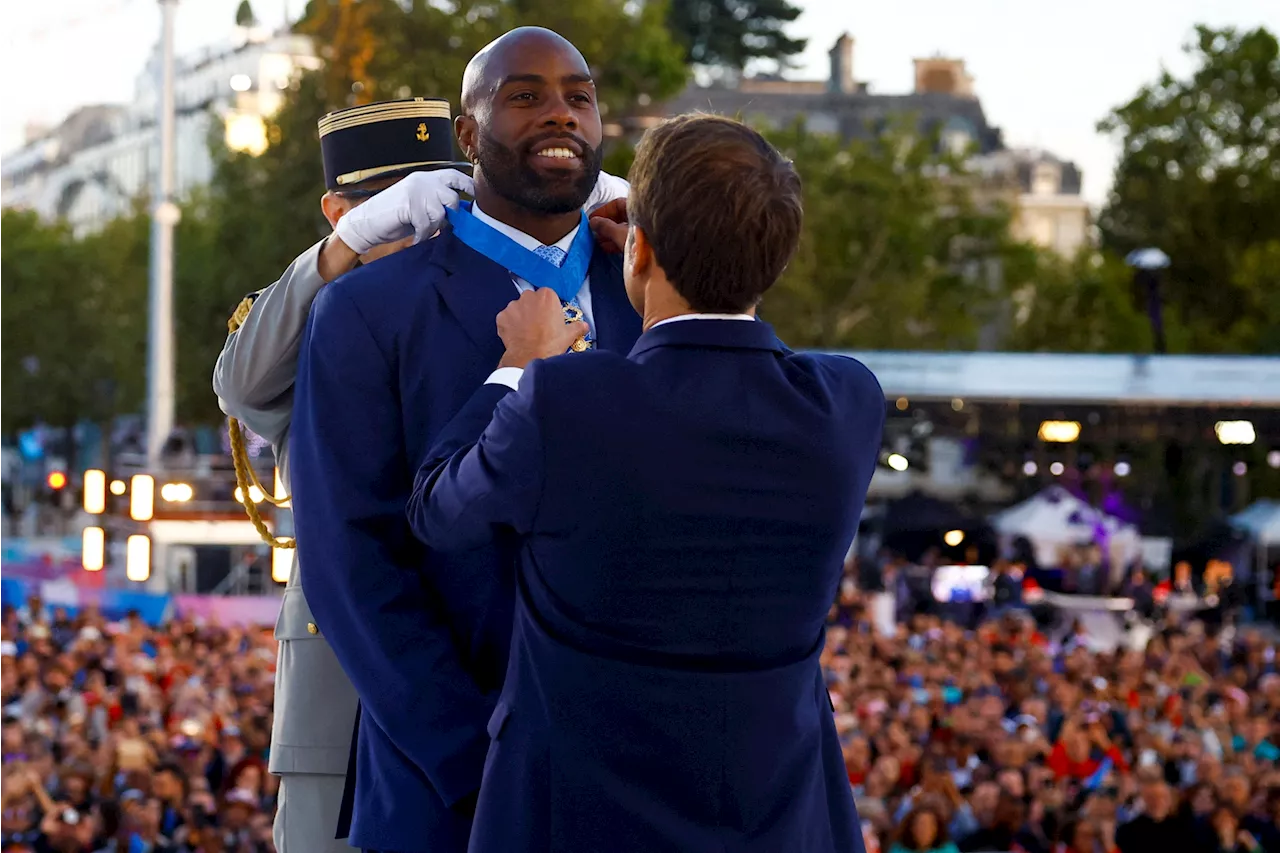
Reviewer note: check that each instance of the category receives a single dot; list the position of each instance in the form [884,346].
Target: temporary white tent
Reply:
[1055,518]
[1261,521]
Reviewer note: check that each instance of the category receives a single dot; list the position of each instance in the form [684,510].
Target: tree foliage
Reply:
[1199,177]
[74,321]
[731,33]
[898,252]
[245,16]
[1082,304]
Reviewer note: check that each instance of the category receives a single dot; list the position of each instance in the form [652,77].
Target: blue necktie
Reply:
[572,310]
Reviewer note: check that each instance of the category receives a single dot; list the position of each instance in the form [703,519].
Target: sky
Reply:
[1045,72]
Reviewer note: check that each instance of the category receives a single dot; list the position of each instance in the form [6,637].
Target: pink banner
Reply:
[230,609]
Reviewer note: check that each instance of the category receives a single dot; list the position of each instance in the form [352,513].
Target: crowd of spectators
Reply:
[124,738]
[998,739]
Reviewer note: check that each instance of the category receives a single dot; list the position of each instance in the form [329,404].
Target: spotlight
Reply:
[953,537]
[1273,458]
[1122,469]
[1029,468]
[1239,469]
[1059,432]
[1056,469]
[1235,432]
[897,462]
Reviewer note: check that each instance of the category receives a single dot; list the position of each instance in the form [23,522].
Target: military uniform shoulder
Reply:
[242,311]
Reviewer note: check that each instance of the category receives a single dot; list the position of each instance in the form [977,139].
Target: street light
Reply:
[1235,432]
[246,133]
[165,215]
[1147,265]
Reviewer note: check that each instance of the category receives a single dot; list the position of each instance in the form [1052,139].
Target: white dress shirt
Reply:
[510,376]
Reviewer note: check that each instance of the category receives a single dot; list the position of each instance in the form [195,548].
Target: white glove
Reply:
[413,207]
[608,188]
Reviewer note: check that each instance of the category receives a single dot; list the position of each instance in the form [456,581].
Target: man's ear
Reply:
[334,208]
[641,253]
[465,128]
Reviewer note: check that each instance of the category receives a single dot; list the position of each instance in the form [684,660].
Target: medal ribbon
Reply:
[566,279]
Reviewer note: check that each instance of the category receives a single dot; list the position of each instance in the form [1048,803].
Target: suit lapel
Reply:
[474,289]
[617,323]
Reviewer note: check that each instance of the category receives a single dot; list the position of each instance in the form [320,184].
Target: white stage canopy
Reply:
[1055,518]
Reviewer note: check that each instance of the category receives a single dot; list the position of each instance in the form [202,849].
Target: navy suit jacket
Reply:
[391,352]
[683,515]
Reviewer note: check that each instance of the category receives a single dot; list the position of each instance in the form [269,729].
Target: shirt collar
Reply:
[703,317]
[520,237]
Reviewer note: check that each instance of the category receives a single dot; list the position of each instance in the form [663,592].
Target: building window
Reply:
[1046,179]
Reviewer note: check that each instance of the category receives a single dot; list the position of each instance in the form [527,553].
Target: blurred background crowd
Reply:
[125,738]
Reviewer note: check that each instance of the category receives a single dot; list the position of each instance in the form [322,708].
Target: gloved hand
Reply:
[608,188]
[415,207]
[412,207]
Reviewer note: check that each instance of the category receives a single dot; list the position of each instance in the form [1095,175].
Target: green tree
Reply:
[74,323]
[1078,305]
[731,33]
[1199,177]
[118,261]
[245,16]
[380,49]
[897,252]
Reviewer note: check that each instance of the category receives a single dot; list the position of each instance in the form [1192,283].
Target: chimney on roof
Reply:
[943,76]
[841,79]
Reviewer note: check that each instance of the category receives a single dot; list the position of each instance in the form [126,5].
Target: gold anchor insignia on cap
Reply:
[423,136]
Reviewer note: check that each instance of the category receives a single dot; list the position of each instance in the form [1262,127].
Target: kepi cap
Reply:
[386,140]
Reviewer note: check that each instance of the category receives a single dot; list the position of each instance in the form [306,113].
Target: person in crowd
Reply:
[922,830]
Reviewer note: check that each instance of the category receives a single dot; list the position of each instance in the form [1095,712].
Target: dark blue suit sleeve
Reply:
[361,568]
[486,469]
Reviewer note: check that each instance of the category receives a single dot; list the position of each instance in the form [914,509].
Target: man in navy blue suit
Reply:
[391,352]
[682,515]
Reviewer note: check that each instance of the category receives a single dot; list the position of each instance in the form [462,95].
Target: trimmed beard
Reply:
[508,173]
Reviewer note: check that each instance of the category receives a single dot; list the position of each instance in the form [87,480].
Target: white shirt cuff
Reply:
[509,376]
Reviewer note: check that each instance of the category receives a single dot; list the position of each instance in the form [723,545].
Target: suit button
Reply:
[312,629]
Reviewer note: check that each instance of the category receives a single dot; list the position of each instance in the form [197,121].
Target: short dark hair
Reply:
[720,206]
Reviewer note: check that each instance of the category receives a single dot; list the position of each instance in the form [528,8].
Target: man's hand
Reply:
[533,327]
[609,225]
[414,207]
[608,188]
